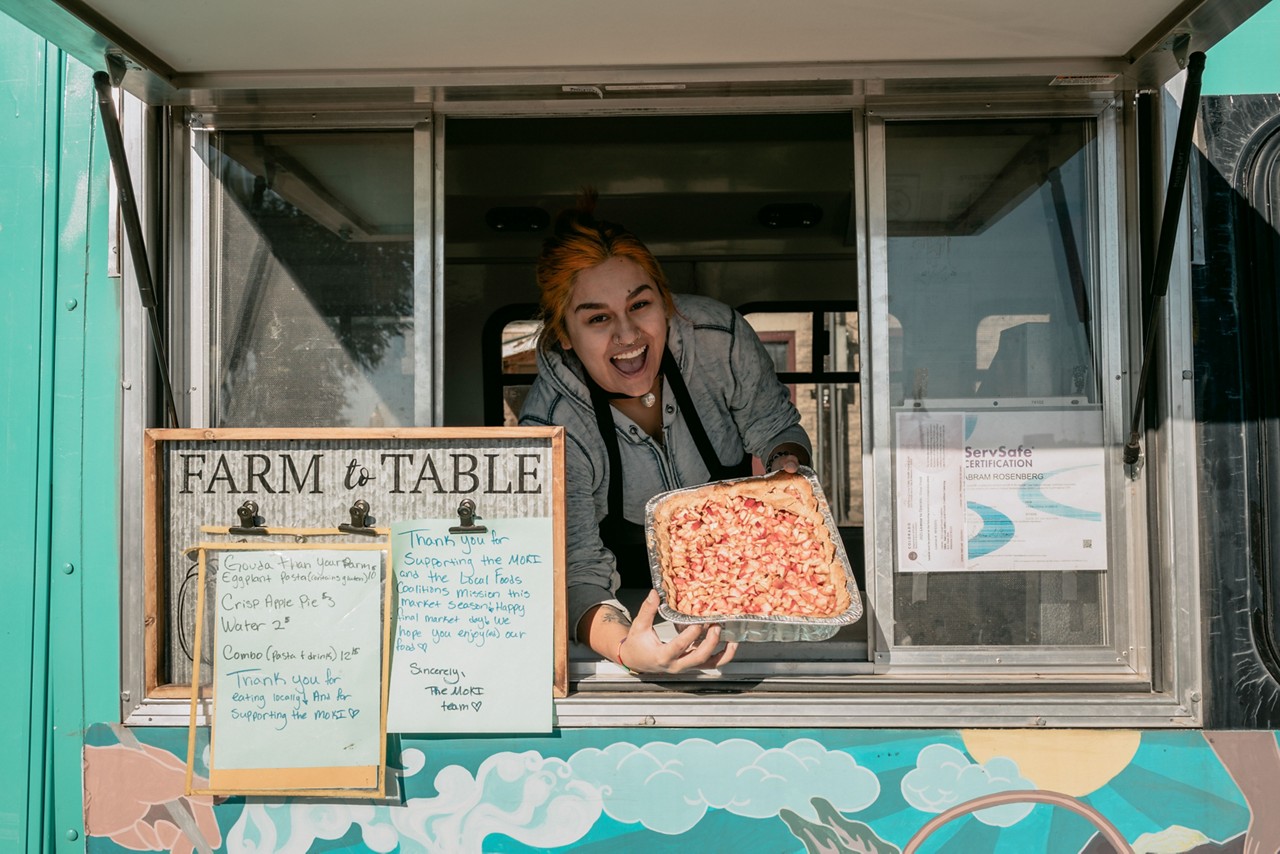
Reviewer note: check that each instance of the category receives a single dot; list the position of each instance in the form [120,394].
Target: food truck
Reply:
[289,577]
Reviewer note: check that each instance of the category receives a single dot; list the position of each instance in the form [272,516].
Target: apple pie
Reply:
[757,546]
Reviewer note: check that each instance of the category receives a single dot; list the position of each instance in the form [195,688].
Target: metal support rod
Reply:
[1075,270]
[133,231]
[1159,285]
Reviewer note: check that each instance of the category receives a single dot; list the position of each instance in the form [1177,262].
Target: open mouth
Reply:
[631,362]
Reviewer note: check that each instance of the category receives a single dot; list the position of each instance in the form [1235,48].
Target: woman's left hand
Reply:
[787,456]
[786,462]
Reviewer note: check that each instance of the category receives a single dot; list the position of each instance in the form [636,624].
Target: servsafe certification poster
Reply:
[1008,490]
[930,491]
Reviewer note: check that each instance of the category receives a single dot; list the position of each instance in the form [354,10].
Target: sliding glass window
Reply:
[313,296]
[1003,530]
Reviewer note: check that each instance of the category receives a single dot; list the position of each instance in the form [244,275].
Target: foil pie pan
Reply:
[757,627]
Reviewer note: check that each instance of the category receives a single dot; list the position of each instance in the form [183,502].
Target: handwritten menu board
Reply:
[474,614]
[298,666]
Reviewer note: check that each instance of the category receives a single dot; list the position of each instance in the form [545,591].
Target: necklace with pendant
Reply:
[648,399]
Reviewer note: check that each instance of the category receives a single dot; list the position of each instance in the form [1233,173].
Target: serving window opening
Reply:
[985,327]
[754,211]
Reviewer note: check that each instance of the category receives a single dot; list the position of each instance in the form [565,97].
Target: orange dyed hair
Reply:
[580,242]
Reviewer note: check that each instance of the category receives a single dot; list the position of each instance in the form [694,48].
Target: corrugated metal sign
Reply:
[319,486]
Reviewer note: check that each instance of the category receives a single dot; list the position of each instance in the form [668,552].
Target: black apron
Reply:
[626,539]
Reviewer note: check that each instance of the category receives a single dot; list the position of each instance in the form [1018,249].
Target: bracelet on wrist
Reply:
[618,657]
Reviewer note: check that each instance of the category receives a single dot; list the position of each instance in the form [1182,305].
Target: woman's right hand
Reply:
[695,648]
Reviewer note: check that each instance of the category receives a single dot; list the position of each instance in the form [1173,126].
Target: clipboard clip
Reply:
[250,521]
[466,519]
[360,520]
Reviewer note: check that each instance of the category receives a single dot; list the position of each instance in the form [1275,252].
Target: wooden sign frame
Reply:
[339,781]
[156,594]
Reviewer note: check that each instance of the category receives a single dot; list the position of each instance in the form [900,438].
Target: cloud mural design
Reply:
[945,776]
[549,802]
[292,828]
[534,800]
[531,799]
[669,787]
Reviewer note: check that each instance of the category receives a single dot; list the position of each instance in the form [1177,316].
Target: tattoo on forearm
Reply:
[613,615]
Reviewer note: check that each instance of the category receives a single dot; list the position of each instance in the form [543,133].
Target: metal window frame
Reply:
[1034,691]
[137,402]
[428,272]
[1126,582]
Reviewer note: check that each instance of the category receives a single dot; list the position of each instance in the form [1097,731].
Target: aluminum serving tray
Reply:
[754,627]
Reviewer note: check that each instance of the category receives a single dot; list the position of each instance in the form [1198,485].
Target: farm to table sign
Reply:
[304,484]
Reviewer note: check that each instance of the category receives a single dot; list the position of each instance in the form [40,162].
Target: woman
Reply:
[655,392]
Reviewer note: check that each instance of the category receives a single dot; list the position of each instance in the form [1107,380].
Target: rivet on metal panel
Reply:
[1195,696]
[1187,375]
[71,304]
[68,568]
[126,696]
[72,835]
[126,385]
[1041,722]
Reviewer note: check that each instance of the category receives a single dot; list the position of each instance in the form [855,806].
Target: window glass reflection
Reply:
[314,279]
[830,408]
[1000,495]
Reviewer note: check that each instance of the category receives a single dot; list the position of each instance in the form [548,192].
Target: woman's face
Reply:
[617,325]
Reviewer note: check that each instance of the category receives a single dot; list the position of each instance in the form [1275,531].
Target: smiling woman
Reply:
[618,329]
[653,390]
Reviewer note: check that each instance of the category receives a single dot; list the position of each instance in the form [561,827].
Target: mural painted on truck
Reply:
[830,791]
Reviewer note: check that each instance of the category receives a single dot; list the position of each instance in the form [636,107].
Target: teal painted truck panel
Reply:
[24,400]
[98,428]
[59,353]
[83,669]
[1246,62]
